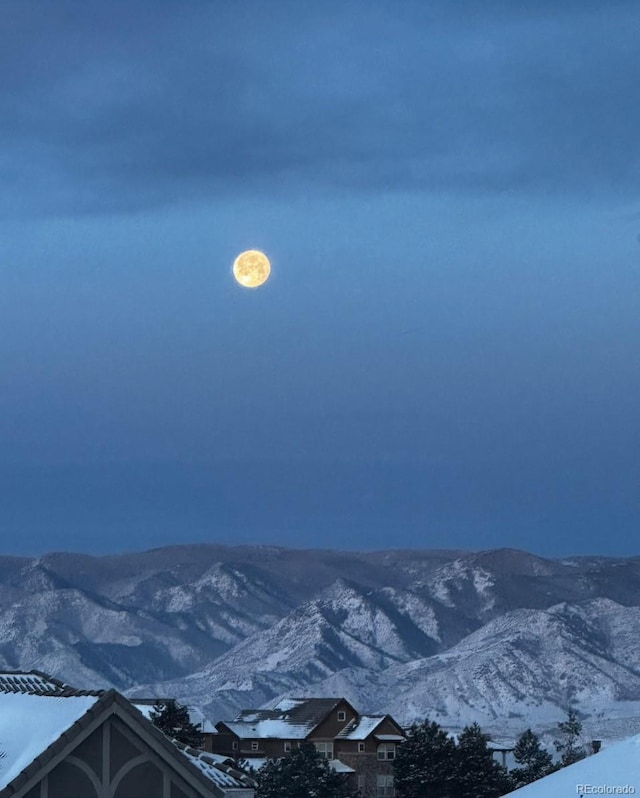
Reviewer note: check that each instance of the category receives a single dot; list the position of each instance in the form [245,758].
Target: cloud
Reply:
[112,107]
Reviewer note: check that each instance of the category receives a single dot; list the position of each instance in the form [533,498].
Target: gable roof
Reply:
[362,727]
[617,765]
[289,719]
[50,726]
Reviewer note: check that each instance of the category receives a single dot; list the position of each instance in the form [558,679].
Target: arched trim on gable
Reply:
[127,768]
[88,771]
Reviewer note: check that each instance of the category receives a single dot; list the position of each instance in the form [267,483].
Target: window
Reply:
[326,749]
[384,786]
[287,745]
[254,746]
[342,715]
[234,745]
[360,748]
[387,751]
[361,782]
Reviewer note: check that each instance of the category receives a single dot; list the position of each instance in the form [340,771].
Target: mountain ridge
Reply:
[449,634]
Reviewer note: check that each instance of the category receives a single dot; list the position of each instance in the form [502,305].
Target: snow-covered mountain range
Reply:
[502,637]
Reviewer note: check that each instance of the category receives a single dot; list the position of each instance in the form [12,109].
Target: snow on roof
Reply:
[29,724]
[360,728]
[289,719]
[500,746]
[390,738]
[286,704]
[340,767]
[617,766]
[215,769]
[29,682]
[313,705]
[308,712]
[278,728]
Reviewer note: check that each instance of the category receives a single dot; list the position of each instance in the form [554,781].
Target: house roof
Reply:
[38,683]
[360,728]
[617,765]
[340,767]
[365,725]
[269,728]
[216,768]
[29,724]
[34,729]
[290,719]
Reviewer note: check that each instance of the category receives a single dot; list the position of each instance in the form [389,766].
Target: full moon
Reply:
[251,268]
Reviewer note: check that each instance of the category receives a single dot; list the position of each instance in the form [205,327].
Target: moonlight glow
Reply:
[251,268]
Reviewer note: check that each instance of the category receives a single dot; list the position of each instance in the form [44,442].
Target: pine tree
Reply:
[425,762]
[536,761]
[478,775]
[303,773]
[568,745]
[173,719]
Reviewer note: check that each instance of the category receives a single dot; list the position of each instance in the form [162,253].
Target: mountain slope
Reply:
[449,634]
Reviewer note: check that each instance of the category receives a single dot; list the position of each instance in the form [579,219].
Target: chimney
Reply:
[596,745]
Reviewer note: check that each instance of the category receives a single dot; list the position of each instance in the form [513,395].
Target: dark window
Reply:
[387,751]
[326,749]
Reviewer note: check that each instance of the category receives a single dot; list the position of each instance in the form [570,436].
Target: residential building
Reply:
[57,742]
[363,747]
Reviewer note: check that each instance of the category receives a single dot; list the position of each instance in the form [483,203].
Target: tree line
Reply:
[430,762]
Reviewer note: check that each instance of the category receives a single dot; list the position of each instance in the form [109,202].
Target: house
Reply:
[95,744]
[613,770]
[362,747]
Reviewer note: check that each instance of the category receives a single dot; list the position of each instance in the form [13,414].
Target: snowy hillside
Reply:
[502,637]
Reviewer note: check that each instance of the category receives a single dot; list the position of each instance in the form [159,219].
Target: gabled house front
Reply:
[97,745]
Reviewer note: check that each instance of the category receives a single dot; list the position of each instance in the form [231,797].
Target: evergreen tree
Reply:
[478,775]
[568,745]
[303,773]
[173,719]
[425,763]
[536,761]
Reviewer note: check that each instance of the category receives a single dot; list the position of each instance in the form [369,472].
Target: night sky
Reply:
[446,353]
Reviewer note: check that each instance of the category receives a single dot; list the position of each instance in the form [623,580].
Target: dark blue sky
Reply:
[446,354]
